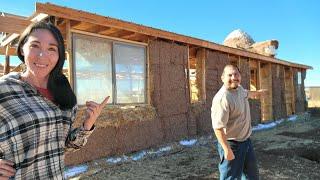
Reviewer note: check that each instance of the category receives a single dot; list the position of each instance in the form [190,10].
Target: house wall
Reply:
[169,88]
[255,111]
[278,92]
[170,116]
[214,64]
[170,99]
[245,72]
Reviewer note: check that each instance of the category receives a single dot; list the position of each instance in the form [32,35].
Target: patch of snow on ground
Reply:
[138,156]
[293,118]
[114,160]
[190,142]
[72,171]
[260,127]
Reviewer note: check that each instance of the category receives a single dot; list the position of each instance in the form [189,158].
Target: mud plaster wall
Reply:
[170,90]
[255,111]
[300,99]
[110,140]
[214,64]
[278,92]
[117,132]
[245,72]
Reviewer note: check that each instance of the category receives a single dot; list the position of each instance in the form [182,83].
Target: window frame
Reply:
[113,41]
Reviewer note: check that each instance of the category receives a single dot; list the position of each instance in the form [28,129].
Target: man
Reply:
[231,122]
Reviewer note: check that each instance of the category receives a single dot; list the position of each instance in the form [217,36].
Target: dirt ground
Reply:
[289,151]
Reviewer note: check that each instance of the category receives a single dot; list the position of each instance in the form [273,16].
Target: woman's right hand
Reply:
[6,169]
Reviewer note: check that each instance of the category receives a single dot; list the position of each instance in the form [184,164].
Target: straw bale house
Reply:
[161,83]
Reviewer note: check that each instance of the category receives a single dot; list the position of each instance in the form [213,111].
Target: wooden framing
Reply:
[254,75]
[69,55]
[10,52]
[13,24]
[289,91]
[197,63]
[265,77]
[75,21]
[105,25]
[76,15]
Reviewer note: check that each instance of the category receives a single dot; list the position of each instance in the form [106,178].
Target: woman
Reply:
[37,109]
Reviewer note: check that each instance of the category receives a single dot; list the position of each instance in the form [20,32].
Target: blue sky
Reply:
[294,23]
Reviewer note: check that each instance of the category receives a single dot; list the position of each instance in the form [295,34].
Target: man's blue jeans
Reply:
[243,166]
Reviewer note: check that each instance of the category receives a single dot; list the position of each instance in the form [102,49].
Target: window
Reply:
[104,67]
[299,86]
[130,73]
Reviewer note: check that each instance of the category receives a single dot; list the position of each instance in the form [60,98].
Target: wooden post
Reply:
[259,76]
[270,91]
[69,53]
[293,104]
[6,68]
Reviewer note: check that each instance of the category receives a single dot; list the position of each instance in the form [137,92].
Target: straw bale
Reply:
[278,92]
[118,115]
[238,39]
[267,48]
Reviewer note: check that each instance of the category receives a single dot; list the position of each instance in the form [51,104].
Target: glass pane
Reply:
[130,73]
[299,78]
[93,68]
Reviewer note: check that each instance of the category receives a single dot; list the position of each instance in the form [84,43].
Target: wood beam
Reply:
[128,36]
[121,33]
[69,53]
[11,52]
[9,39]
[81,26]
[37,17]
[78,15]
[13,24]
[6,68]
[97,28]
[108,31]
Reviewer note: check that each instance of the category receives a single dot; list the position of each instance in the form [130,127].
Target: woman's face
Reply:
[40,53]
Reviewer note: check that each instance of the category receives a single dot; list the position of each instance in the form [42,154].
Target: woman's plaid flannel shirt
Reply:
[34,132]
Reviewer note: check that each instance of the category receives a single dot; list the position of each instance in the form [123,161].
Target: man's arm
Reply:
[257,94]
[222,139]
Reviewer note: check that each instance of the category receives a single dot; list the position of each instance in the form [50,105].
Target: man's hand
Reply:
[228,154]
[92,112]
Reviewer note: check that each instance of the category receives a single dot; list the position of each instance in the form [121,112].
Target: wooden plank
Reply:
[97,29]
[69,54]
[259,75]
[9,39]
[11,52]
[293,90]
[34,18]
[108,37]
[129,36]
[121,33]
[78,15]
[13,24]
[6,68]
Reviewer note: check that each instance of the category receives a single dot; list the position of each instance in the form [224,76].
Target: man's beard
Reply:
[234,84]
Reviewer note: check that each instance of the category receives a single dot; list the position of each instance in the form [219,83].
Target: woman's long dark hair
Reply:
[58,84]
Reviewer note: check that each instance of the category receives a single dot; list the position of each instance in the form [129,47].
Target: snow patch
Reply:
[138,155]
[260,127]
[190,142]
[70,172]
[292,118]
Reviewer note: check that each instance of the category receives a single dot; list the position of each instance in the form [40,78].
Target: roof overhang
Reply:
[124,29]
